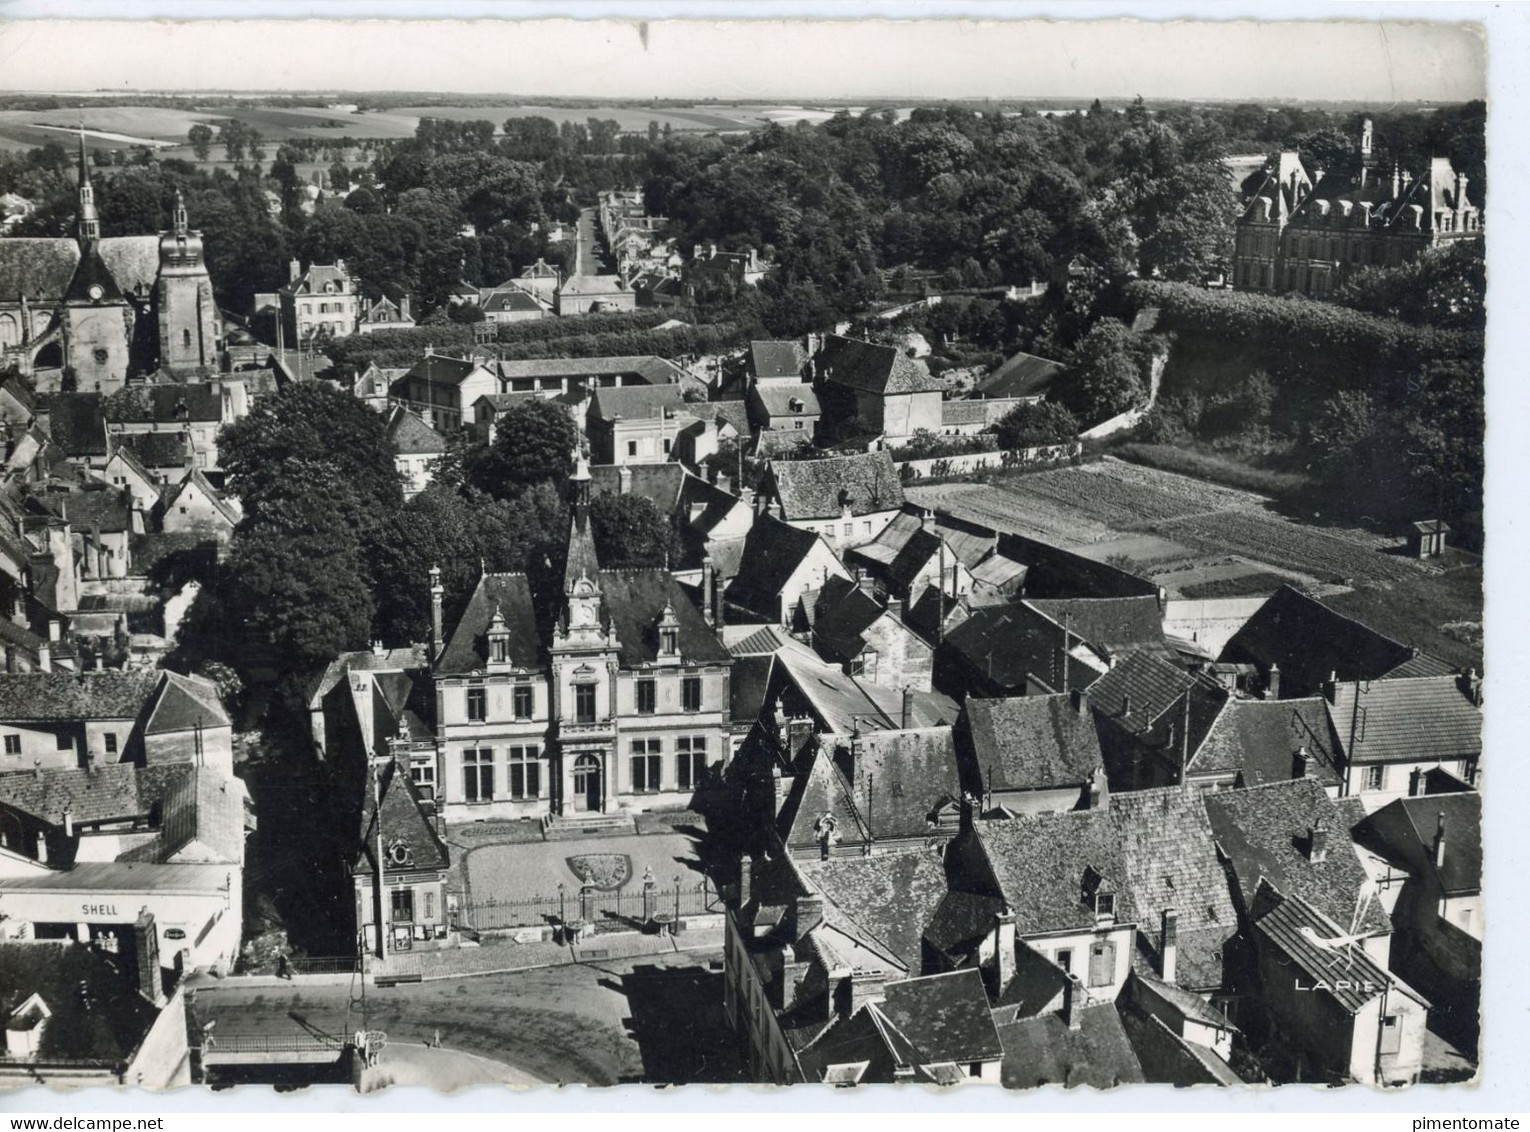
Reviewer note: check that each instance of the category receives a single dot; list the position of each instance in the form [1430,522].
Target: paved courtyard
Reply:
[535,869]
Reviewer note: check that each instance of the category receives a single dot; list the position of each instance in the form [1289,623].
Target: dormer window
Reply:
[1105,905]
[669,642]
[499,638]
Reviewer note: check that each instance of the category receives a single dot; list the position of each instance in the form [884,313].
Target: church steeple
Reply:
[582,561]
[88,224]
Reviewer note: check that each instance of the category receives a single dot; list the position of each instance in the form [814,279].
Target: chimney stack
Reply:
[1004,948]
[44,658]
[294,271]
[708,591]
[1301,761]
[624,478]
[68,823]
[1081,701]
[719,618]
[1439,840]
[1168,946]
[1317,842]
[146,958]
[908,708]
[1272,683]
[437,592]
[745,879]
[1072,994]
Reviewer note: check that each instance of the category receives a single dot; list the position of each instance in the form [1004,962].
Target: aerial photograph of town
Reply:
[526,587]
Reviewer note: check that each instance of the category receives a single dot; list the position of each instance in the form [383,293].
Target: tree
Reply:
[630,531]
[1108,364]
[201,138]
[534,443]
[1036,424]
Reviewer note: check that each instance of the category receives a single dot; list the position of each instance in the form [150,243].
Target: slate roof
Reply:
[873,368]
[890,895]
[777,359]
[662,483]
[1148,682]
[42,268]
[1258,740]
[203,822]
[653,370]
[820,489]
[76,422]
[110,509]
[1168,1059]
[155,449]
[715,503]
[1265,831]
[219,501]
[1023,375]
[1030,743]
[748,686]
[1344,973]
[635,599]
[787,400]
[1114,624]
[467,649]
[1309,641]
[173,401]
[442,370]
[92,272]
[918,549]
[1412,720]
[900,778]
[184,703]
[1171,859]
[773,551]
[1003,644]
[109,793]
[637,402]
[1039,862]
[886,547]
[510,299]
[842,613]
[61,696]
[592,285]
[1404,830]
[411,436]
[945,1017]
[403,820]
[1042,1050]
[106,1026]
[731,412]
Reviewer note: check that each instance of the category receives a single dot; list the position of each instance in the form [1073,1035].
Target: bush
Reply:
[1037,424]
[926,445]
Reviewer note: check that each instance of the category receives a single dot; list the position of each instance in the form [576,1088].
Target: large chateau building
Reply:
[1302,232]
[90,312]
[609,695]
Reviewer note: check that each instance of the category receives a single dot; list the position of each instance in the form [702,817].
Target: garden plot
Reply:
[1199,495]
[1283,544]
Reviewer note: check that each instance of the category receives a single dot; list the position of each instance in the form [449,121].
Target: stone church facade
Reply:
[91,313]
[1303,232]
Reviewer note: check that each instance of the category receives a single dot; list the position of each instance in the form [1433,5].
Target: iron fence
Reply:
[323,964]
[634,906]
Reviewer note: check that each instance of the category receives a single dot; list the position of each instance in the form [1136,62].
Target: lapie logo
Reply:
[1331,985]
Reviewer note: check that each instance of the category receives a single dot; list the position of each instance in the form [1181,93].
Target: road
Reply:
[587,257]
[592,1023]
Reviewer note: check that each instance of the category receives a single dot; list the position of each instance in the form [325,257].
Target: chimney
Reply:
[1126,706]
[1272,683]
[1301,762]
[146,957]
[1471,686]
[294,271]
[1072,994]
[42,848]
[436,594]
[1331,688]
[68,823]
[708,591]
[808,911]
[1004,948]
[18,611]
[895,607]
[866,987]
[745,879]
[1439,840]
[781,788]
[1081,701]
[44,658]
[862,580]
[1396,181]
[908,708]
[624,478]
[1317,842]
[719,618]
[1168,946]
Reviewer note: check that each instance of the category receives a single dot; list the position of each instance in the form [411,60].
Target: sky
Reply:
[1371,61]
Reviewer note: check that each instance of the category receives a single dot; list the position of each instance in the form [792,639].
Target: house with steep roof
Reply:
[779,564]
[315,304]
[1391,734]
[416,446]
[1031,754]
[195,506]
[892,895]
[790,408]
[512,304]
[1429,849]
[1021,377]
[848,499]
[1014,650]
[593,294]
[606,696]
[1083,1044]
[1256,742]
[1152,717]
[867,637]
[400,869]
[636,424]
[389,311]
[125,471]
[1332,1007]
[443,390]
[869,387]
[776,362]
[68,719]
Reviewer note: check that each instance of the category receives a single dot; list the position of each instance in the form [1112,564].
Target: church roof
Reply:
[91,274]
[42,268]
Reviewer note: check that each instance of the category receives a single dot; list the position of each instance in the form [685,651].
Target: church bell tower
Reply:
[189,326]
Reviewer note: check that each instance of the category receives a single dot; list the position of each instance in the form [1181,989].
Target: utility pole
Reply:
[379,860]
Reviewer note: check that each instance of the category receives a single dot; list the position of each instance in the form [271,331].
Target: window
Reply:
[690,693]
[1105,904]
[669,642]
[1466,918]
[799,424]
[499,650]
[65,743]
[478,774]
[1102,964]
[477,705]
[667,443]
[866,527]
[524,701]
[1065,959]
[424,775]
[647,696]
[430,904]
[690,761]
[403,905]
[849,529]
[647,773]
[111,742]
[185,338]
[13,744]
[1391,1034]
[632,447]
[525,774]
[1375,778]
[584,703]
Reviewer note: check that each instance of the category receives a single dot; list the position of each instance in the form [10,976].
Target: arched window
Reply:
[186,338]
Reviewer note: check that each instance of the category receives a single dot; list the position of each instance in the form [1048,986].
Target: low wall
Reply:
[980,461]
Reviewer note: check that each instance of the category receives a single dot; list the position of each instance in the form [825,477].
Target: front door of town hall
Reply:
[587,784]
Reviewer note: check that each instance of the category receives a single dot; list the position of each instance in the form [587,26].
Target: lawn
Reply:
[1282,543]
[1439,613]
